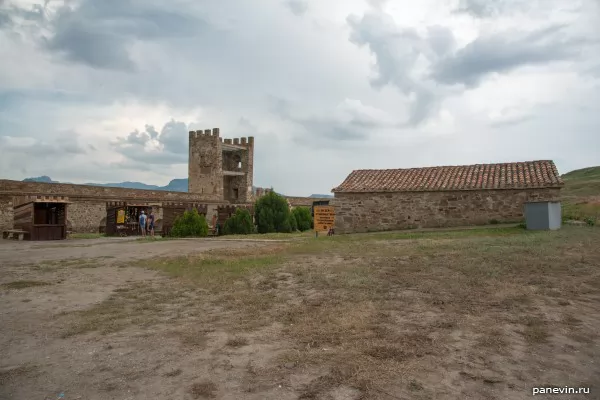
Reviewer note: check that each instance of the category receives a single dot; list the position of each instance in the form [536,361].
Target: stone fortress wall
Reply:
[87,211]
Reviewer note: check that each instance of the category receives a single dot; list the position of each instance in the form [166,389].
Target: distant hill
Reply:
[176,185]
[581,194]
[321,196]
[583,182]
[43,178]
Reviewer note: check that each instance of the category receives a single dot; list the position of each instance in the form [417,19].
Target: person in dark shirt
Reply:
[151,223]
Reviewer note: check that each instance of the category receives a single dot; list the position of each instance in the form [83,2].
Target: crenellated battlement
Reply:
[206,133]
[243,141]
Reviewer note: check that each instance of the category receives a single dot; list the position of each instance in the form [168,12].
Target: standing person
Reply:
[151,223]
[143,223]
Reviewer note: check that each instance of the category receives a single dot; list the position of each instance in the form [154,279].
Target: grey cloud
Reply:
[174,137]
[480,8]
[43,150]
[489,9]
[397,52]
[132,165]
[349,123]
[137,153]
[298,7]
[497,53]
[5,19]
[101,33]
[152,132]
[511,122]
[173,140]
[136,138]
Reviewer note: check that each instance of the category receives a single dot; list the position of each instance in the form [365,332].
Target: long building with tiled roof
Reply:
[518,175]
[385,199]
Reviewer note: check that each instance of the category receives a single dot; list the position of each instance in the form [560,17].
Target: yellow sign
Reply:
[121,217]
[324,218]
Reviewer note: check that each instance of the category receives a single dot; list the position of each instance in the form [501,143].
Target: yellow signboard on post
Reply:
[121,217]
[324,218]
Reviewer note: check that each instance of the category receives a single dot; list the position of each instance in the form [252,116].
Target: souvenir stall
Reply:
[122,218]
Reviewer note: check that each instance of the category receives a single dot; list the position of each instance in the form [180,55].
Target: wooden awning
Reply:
[21,200]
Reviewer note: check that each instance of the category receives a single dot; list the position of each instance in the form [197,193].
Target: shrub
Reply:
[190,224]
[590,221]
[303,218]
[272,214]
[239,224]
[494,222]
[293,223]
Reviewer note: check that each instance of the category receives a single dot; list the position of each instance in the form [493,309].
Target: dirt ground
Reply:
[484,314]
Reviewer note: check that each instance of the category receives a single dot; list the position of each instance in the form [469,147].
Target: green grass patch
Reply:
[445,234]
[271,236]
[24,284]
[87,236]
[580,211]
[155,238]
[213,271]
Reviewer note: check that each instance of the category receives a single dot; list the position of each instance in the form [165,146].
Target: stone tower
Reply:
[220,169]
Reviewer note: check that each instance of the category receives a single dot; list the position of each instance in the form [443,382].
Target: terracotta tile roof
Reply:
[518,175]
[303,201]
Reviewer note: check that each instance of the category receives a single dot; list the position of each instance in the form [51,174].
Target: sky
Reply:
[106,91]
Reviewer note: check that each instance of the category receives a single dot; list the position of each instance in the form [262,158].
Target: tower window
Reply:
[239,165]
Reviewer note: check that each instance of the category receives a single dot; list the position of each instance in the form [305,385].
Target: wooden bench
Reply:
[14,234]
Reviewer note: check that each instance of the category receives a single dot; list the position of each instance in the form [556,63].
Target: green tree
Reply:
[272,214]
[190,224]
[303,218]
[239,224]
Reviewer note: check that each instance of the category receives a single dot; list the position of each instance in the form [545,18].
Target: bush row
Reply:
[271,214]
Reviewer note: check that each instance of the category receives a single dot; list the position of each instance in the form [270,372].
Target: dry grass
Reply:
[8,374]
[237,342]
[203,390]
[139,305]
[24,284]
[380,314]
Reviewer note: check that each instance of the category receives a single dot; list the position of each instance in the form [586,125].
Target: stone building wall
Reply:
[246,195]
[370,212]
[6,213]
[81,192]
[86,216]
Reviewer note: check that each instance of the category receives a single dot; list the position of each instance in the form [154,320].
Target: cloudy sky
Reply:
[106,90]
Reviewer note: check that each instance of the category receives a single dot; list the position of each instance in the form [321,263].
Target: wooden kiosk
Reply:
[40,217]
[122,218]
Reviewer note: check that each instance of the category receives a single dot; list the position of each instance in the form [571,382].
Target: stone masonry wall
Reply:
[205,164]
[6,213]
[87,211]
[371,212]
[18,188]
[86,216]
